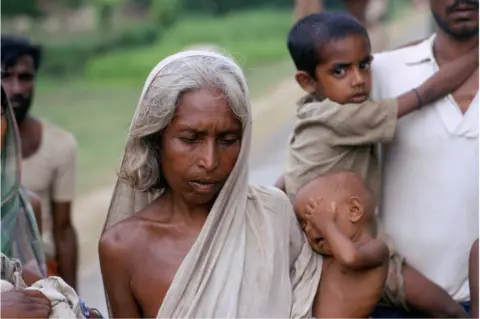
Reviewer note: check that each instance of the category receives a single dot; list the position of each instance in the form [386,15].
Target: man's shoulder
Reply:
[58,135]
[403,55]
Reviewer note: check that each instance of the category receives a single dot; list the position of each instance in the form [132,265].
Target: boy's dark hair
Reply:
[13,47]
[311,33]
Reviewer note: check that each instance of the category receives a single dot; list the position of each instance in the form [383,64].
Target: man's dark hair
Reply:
[311,33]
[13,47]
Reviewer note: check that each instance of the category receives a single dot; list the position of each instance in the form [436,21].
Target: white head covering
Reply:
[126,201]
[250,258]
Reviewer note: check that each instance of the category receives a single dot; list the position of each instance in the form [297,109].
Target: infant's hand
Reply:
[320,212]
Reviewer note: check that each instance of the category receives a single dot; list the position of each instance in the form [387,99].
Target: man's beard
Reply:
[21,105]
[462,34]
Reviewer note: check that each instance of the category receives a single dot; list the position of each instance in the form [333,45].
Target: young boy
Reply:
[355,264]
[338,127]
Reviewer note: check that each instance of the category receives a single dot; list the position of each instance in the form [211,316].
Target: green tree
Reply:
[165,12]
[105,10]
[11,8]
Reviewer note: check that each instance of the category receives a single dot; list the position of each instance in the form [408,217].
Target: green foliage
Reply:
[252,37]
[221,7]
[165,12]
[11,8]
[69,56]
[74,4]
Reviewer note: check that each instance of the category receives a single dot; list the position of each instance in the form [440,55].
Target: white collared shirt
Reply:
[430,173]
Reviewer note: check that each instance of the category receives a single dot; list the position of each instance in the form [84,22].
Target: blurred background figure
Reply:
[369,12]
[48,157]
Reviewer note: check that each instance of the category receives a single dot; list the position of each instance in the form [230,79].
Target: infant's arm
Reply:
[450,77]
[371,254]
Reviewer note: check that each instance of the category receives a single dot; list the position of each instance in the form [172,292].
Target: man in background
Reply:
[49,156]
[430,187]
[370,13]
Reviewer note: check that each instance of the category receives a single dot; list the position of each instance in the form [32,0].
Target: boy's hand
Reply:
[320,213]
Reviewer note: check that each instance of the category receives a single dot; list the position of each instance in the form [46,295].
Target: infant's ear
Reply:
[355,207]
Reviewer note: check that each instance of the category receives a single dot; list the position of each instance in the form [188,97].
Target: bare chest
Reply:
[154,267]
[348,293]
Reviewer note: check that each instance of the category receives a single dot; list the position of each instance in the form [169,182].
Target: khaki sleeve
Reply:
[65,172]
[369,122]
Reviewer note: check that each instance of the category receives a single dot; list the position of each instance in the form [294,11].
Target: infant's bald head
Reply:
[339,187]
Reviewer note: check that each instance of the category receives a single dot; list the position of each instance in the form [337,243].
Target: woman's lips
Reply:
[203,187]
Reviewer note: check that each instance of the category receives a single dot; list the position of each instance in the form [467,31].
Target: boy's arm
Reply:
[444,82]
[369,255]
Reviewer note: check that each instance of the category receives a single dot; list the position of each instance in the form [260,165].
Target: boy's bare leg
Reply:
[426,296]
[473,279]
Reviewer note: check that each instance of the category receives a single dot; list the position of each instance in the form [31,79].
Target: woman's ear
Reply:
[356,209]
[307,83]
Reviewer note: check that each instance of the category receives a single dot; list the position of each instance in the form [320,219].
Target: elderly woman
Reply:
[186,235]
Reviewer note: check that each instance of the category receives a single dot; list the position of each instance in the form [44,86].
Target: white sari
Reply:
[251,258]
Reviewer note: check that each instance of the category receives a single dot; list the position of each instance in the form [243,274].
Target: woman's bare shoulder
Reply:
[127,235]
[120,238]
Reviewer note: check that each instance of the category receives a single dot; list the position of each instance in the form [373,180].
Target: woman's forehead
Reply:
[205,107]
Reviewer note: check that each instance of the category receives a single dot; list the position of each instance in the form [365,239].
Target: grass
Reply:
[251,37]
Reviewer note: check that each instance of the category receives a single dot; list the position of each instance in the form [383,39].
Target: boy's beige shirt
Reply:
[330,137]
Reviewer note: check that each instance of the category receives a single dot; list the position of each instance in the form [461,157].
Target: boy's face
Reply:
[344,75]
[344,220]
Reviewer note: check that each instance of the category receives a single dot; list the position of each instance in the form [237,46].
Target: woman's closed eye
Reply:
[190,139]
[229,139]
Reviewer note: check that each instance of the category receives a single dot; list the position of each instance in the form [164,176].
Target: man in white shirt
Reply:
[430,182]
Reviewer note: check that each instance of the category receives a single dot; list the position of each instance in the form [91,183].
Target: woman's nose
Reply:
[209,156]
